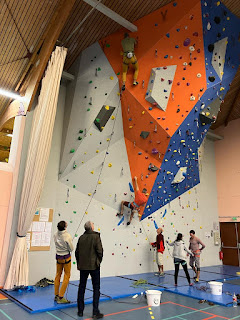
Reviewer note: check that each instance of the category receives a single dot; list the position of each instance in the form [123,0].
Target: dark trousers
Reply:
[184,265]
[95,275]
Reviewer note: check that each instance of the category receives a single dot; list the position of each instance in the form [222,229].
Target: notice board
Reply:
[39,234]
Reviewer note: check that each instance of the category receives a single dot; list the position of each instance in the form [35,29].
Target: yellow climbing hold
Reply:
[130,127]
[143,112]
[90,134]
[228,18]
[218,3]
[160,187]
[98,229]
[99,182]
[207,114]
[200,227]
[110,165]
[193,220]
[82,161]
[111,78]
[86,212]
[85,152]
[224,29]
[102,208]
[92,172]
[133,250]
[118,93]
[222,88]
[107,107]
[168,172]
[89,194]
[189,192]
[182,141]
[108,139]
[97,151]
[102,128]
[113,117]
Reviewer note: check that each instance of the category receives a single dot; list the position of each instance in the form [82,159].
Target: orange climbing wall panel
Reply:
[160,43]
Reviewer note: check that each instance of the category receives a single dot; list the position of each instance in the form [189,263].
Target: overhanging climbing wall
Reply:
[196,44]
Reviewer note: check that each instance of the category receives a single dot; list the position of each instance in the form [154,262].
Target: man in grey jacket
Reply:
[64,247]
[89,254]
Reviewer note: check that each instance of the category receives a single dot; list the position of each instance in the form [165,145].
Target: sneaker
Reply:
[128,223]
[157,274]
[98,316]
[62,300]
[162,274]
[123,87]
[80,313]
[135,83]
[175,285]
[56,297]
[196,280]
[190,284]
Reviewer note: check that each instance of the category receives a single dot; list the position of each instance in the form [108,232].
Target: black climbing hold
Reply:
[103,117]
[219,35]
[211,47]
[178,110]
[211,79]
[217,20]
[144,134]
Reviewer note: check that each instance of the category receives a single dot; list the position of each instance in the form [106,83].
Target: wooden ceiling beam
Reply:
[49,39]
[237,97]
[112,15]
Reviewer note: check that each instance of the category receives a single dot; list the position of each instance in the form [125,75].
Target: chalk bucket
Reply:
[216,287]
[153,298]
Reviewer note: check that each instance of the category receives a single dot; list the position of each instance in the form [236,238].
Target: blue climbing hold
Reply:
[131,187]
[176,46]
[155,224]
[121,221]
[166,56]
[168,35]
[174,4]
[165,212]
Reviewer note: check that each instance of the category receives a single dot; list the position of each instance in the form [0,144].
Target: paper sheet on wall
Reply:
[207,235]
[38,226]
[44,214]
[48,227]
[46,238]
[36,239]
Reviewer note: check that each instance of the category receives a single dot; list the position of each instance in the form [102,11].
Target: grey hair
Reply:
[88,226]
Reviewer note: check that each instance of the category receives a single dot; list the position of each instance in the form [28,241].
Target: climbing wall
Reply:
[185,70]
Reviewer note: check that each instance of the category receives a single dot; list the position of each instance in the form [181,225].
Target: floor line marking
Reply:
[234,317]
[195,311]
[7,316]
[210,318]
[200,310]
[54,315]
[124,311]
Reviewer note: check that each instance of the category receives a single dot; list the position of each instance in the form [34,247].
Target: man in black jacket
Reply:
[89,254]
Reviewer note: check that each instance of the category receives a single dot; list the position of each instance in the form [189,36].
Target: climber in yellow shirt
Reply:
[129,57]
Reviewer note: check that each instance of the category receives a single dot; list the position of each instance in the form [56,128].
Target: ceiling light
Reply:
[9,94]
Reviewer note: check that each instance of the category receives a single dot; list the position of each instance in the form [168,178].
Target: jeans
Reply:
[95,275]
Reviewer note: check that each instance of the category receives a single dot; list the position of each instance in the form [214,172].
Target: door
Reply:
[230,237]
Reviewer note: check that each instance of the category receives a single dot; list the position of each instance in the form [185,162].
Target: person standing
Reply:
[159,244]
[89,254]
[64,247]
[180,257]
[194,243]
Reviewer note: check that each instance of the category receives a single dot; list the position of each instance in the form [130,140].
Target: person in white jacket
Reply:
[64,247]
[180,255]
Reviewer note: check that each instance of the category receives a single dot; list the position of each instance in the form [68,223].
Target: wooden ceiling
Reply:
[23,24]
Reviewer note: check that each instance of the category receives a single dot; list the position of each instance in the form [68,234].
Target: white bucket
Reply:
[153,298]
[216,287]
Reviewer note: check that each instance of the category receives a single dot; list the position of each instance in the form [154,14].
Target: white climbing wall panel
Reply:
[160,85]
[218,57]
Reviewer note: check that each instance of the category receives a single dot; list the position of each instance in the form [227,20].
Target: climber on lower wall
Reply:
[129,57]
[140,200]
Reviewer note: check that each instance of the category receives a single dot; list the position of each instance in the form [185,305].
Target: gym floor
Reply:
[173,306]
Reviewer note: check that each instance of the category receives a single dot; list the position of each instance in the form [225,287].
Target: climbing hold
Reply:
[211,47]
[217,20]
[199,75]
[191,48]
[110,165]
[154,151]
[209,26]
[80,131]
[192,98]
[111,78]
[144,134]
[92,172]
[211,78]
[186,42]
[79,138]
[72,150]
[90,81]
[168,35]
[74,186]
[97,151]
[166,56]
[113,117]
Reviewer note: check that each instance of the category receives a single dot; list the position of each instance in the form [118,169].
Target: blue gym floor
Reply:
[113,288]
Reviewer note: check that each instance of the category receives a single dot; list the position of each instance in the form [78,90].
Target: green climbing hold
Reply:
[80,131]
[70,221]
[90,81]
[72,150]
[74,262]
[118,73]
[79,138]
[107,45]
[74,186]
[76,235]
[97,120]
[66,201]
[74,212]
[99,69]
[88,109]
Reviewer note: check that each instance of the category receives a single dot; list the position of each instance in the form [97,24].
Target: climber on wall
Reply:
[140,200]
[129,57]
[159,244]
